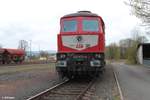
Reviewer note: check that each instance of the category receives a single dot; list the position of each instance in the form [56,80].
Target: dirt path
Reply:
[134,81]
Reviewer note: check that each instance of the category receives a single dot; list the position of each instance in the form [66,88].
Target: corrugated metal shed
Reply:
[143,53]
[2,50]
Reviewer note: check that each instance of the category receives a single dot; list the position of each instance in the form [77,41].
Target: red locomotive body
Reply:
[81,44]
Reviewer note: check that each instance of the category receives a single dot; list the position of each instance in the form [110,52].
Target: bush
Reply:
[131,54]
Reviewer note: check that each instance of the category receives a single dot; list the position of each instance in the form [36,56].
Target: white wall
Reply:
[140,54]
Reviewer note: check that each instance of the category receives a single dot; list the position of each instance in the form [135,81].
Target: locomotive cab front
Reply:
[81,44]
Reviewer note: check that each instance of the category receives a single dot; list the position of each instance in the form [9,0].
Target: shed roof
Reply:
[142,44]
[2,50]
[16,51]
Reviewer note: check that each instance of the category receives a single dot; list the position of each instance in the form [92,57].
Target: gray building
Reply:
[143,54]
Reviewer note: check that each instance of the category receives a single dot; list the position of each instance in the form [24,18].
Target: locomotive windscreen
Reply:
[90,25]
[70,26]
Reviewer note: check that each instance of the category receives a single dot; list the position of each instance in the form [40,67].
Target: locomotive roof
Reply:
[81,13]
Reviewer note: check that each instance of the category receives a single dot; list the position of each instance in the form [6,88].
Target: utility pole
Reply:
[30,49]
[39,51]
[39,48]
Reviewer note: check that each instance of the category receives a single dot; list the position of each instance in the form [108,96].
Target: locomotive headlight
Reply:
[97,55]
[62,56]
[61,64]
[95,63]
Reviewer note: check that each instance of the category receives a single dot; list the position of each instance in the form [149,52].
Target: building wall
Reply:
[140,54]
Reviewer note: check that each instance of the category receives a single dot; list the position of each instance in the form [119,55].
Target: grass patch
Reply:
[27,68]
[116,98]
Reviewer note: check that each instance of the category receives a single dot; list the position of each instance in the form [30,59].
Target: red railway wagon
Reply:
[81,44]
[11,55]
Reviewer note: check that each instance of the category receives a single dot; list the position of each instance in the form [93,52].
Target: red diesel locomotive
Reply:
[81,45]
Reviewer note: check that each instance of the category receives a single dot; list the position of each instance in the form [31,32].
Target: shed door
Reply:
[146,54]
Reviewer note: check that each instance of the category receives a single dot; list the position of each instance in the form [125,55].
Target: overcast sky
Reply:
[38,20]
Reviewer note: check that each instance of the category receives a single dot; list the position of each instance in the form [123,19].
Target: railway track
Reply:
[69,90]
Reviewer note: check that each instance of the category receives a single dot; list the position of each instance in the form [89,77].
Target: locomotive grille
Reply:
[81,56]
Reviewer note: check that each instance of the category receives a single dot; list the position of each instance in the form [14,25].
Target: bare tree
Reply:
[44,54]
[138,36]
[141,9]
[23,44]
[113,51]
[128,46]
[124,44]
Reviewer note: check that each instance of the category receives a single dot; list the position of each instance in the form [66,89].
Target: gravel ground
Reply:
[105,88]
[21,82]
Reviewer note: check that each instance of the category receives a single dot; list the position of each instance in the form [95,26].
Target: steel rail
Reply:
[118,84]
[79,97]
[47,90]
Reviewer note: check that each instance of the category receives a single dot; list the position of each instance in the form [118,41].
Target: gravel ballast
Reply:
[21,82]
[105,87]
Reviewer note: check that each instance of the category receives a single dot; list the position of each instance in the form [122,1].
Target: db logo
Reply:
[79,45]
